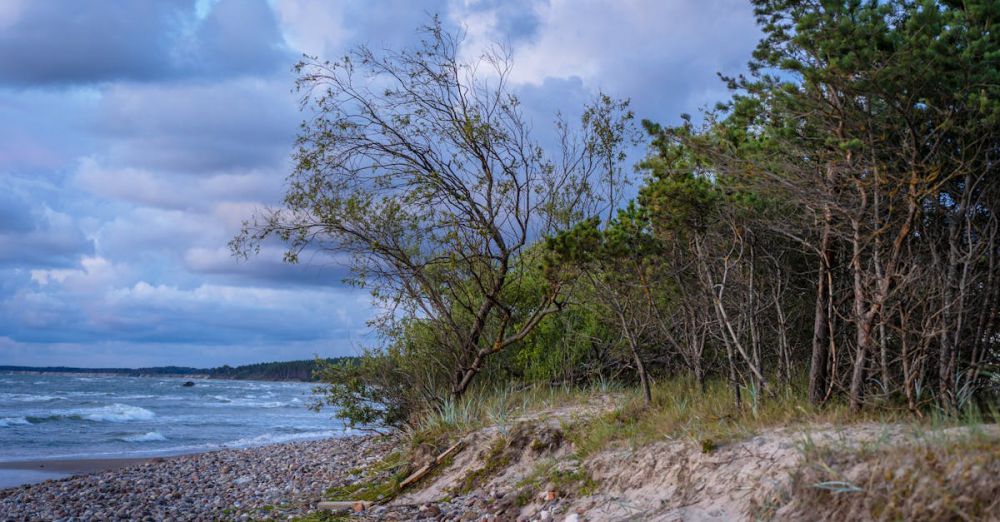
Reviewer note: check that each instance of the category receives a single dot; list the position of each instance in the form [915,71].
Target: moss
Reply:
[496,459]
[322,516]
[576,481]
[380,481]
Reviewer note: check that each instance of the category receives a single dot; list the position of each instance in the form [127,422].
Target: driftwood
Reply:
[361,505]
[423,471]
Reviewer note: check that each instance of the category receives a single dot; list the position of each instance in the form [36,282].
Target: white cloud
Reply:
[177,191]
[94,275]
[662,53]
[314,27]
[10,12]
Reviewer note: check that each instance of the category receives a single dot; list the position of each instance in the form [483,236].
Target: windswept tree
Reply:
[422,168]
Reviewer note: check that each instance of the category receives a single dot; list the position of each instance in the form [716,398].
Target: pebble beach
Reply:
[275,482]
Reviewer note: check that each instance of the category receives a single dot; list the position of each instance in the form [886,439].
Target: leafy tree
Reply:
[421,169]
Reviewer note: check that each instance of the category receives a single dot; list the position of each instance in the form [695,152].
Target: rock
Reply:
[204,486]
[572,517]
[188,384]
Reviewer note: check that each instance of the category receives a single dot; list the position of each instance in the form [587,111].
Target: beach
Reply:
[273,482]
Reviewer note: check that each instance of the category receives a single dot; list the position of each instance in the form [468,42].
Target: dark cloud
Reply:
[516,20]
[42,132]
[63,307]
[69,42]
[240,37]
[66,42]
[15,214]
[105,354]
[268,269]
[136,136]
[234,124]
[33,235]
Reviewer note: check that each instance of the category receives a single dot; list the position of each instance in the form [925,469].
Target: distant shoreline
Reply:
[283,371]
[200,376]
[180,376]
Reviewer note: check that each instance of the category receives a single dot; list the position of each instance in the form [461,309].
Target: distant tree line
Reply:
[833,223]
[304,370]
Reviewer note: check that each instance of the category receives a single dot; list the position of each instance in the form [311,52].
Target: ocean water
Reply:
[67,417]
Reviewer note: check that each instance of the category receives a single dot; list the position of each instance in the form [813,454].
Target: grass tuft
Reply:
[948,477]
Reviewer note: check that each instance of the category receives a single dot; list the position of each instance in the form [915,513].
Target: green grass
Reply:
[930,476]
[573,481]
[380,481]
[322,516]
[500,407]
[680,410]
[710,419]
[497,458]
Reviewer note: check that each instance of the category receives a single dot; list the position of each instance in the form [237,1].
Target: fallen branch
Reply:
[423,471]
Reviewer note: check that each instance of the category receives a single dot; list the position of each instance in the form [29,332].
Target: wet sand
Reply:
[72,466]
[22,472]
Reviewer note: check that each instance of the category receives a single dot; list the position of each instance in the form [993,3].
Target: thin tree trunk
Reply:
[863,323]
[817,369]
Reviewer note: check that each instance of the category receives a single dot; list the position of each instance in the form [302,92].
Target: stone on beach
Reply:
[264,483]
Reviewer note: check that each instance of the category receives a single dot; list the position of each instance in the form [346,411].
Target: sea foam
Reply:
[13,421]
[116,413]
[275,438]
[152,436]
[113,413]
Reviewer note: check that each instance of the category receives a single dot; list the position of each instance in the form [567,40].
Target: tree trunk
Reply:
[820,344]
[862,323]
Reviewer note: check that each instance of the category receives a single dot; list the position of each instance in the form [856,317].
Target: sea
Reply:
[47,416]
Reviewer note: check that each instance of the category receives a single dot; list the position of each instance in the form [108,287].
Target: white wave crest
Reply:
[13,421]
[243,403]
[153,436]
[24,397]
[275,438]
[114,413]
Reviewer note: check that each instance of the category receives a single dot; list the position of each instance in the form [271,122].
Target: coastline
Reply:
[275,481]
[77,466]
[17,473]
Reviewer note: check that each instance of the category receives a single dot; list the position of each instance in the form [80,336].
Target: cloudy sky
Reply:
[136,136]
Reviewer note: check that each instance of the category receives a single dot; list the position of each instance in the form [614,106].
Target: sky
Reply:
[135,137]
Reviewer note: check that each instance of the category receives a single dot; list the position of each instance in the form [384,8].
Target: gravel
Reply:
[275,482]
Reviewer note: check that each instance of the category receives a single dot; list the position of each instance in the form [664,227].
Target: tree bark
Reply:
[820,344]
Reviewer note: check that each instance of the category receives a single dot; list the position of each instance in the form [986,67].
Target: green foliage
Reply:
[275,371]
[839,207]
[496,459]
[379,483]
[382,388]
